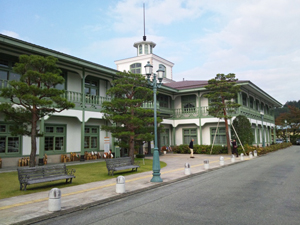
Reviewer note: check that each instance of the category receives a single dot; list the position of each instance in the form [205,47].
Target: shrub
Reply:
[181,149]
[261,150]
[200,149]
[217,149]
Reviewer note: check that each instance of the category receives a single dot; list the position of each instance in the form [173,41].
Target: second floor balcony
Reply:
[94,103]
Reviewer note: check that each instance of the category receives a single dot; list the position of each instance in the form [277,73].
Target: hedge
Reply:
[200,149]
[217,149]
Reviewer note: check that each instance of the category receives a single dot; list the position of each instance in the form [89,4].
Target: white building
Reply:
[184,108]
[181,104]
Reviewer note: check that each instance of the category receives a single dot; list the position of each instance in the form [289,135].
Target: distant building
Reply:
[181,104]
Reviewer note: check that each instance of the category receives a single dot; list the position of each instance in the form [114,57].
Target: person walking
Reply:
[191,146]
[234,148]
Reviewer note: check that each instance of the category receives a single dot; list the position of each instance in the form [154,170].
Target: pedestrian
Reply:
[234,148]
[191,146]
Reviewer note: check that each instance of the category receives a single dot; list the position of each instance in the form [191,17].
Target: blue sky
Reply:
[258,40]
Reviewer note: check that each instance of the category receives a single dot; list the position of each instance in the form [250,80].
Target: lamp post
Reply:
[286,135]
[262,124]
[156,164]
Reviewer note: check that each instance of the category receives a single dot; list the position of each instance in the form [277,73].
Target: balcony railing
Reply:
[95,102]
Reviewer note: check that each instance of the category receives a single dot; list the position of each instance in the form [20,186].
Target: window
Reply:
[63,85]
[55,138]
[220,138]
[146,49]
[3,75]
[140,49]
[91,138]
[188,103]
[136,68]
[251,102]
[91,87]
[257,105]
[164,138]
[8,144]
[7,76]
[244,99]
[14,76]
[188,135]
[3,78]
[151,49]
[262,107]
[163,100]
[3,63]
[267,110]
[164,68]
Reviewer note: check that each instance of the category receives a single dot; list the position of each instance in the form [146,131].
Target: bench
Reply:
[116,164]
[40,174]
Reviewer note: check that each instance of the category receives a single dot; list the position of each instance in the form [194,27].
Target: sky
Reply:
[258,40]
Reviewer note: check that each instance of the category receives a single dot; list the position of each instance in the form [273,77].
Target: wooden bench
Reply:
[40,174]
[116,164]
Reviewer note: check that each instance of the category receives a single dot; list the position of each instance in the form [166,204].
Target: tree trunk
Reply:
[227,130]
[227,137]
[33,145]
[33,139]
[131,147]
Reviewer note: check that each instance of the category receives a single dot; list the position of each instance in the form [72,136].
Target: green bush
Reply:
[217,149]
[265,150]
[181,149]
[140,156]
[200,149]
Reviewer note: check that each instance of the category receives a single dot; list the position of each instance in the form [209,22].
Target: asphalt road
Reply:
[261,191]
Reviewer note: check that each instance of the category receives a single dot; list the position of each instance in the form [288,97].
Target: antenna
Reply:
[144,37]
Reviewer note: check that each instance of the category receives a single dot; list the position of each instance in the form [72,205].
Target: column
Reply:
[200,116]
[83,111]
[174,136]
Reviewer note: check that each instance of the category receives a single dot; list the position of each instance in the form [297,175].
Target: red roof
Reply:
[189,84]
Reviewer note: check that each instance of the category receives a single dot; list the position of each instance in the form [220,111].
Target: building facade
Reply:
[181,105]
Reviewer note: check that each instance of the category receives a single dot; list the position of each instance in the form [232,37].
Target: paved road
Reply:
[261,191]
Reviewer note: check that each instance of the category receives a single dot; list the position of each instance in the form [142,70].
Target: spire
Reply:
[144,37]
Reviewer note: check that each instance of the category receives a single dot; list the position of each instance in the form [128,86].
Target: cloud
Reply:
[259,41]
[157,13]
[10,33]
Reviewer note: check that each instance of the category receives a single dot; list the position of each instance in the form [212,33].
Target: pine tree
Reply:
[33,97]
[222,92]
[132,123]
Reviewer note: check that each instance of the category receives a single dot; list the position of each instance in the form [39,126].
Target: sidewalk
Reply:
[33,206]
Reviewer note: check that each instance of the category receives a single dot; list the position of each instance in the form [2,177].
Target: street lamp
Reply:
[262,124]
[286,135]
[156,164]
